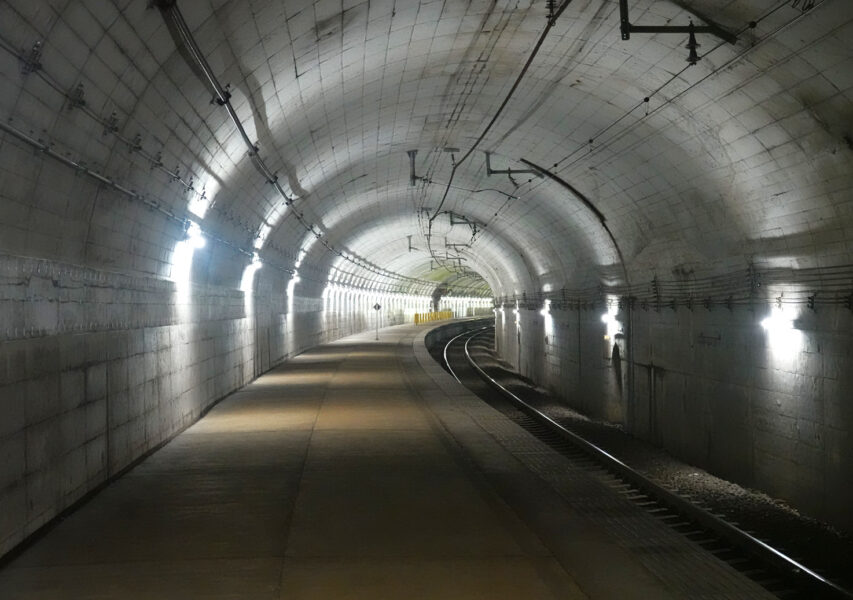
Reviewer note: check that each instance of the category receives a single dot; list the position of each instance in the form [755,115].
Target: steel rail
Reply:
[447,346]
[734,535]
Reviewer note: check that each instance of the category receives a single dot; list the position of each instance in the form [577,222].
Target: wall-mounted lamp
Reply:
[194,235]
[613,325]
[785,340]
[777,322]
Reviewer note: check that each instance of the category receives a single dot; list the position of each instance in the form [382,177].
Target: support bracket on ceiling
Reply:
[413,177]
[411,248]
[628,28]
[510,172]
[456,247]
[457,219]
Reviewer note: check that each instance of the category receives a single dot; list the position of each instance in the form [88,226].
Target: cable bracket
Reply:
[627,28]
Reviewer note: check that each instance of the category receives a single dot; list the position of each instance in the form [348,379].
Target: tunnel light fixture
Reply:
[182,258]
[194,235]
[247,283]
[547,321]
[784,338]
[261,236]
[777,323]
[290,290]
[249,272]
[299,258]
[612,323]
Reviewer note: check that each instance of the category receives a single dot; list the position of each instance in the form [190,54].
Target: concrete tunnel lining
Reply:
[728,193]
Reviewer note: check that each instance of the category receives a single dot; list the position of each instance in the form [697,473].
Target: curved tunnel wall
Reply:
[742,392]
[731,184]
[119,325]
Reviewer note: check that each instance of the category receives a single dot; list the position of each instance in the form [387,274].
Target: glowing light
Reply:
[291,285]
[548,321]
[263,233]
[194,235]
[609,319]
[785,340]
[777,322]
[247,283]
[299,258]
[307,242]
[182,257]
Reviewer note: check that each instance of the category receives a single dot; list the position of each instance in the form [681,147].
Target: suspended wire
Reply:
[645,101]
[111,127]
[173,16]
[551,21]
[674,77]
[473,75]
[751,287]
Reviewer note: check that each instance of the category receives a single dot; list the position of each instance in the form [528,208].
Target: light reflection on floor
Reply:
[272,380]
[289,396]
[258,418]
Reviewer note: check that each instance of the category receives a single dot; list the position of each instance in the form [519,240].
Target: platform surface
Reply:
[360,469]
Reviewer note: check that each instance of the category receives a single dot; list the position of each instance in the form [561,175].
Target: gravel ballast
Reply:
[813,543]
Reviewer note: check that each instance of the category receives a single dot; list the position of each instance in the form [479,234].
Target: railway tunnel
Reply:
[651,200]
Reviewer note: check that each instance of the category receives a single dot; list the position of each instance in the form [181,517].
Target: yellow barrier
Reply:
[433,316]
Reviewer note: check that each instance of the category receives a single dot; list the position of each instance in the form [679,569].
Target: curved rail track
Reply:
[773,569]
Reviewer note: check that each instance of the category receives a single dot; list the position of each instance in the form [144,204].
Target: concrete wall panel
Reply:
[713,388]
[84,394]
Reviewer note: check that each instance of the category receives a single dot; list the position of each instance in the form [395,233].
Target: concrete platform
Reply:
[361,469]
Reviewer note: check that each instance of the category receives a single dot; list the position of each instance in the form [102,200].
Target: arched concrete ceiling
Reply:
[745,157]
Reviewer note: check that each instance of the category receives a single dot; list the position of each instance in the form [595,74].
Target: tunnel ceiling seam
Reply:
[758,142]
[110,125]
[596,147]
[47,148]
[134,145]
[172,14]
[552,19]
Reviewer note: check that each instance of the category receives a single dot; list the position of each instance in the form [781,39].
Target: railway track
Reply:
[772,568]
